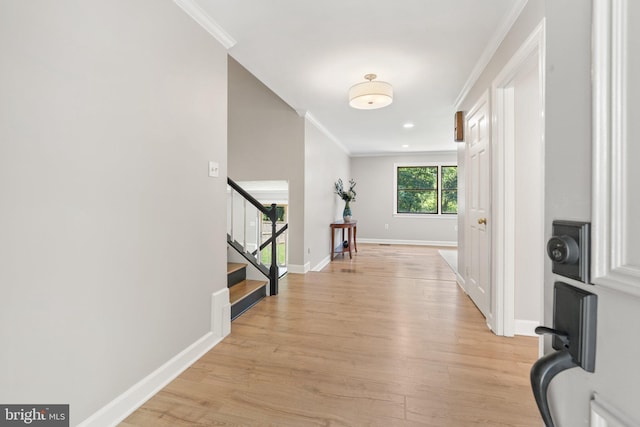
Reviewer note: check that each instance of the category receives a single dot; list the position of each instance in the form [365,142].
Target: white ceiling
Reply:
[311,52]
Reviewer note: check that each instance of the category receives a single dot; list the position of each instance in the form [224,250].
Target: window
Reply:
[280,214]
[426,189]
[449,192]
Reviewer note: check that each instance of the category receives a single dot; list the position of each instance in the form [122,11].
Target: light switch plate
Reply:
[214,170]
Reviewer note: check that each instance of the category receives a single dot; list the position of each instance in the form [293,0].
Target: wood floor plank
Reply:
[384,339]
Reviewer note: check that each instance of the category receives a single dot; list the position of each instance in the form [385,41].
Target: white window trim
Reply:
[438,215]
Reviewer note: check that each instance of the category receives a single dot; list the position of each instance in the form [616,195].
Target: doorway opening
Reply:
[518,197]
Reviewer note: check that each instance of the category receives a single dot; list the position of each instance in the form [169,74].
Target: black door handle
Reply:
[542,373]
[574,336]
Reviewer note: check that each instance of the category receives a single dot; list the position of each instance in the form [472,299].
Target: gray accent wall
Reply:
[325,162]
[112,235]
[267,142]
[374,205]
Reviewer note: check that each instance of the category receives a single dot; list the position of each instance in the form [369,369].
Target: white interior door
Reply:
[478,198]
[616,208]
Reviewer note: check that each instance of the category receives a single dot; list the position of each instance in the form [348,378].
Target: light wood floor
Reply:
[385,339]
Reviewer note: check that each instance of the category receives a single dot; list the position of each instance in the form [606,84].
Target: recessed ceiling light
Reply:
[405,145]
[408,125]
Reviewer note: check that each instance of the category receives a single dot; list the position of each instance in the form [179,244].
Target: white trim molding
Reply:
[408,153]
[490,50]
[122,406]
[445,244]
[461,282]
[322,264]
[612,182]
[503,179]
[311,118]
[525,327]
[198,14]
[299,269]
[604,414]
[220,313]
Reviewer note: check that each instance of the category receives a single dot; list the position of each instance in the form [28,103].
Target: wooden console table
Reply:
[341,225]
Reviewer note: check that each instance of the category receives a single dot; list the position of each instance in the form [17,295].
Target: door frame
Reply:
[503,178]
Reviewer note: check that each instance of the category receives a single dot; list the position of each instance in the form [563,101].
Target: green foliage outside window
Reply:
[418,188]
[449,189]
[280,212]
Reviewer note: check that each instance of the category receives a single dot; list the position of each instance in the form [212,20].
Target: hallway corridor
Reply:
[385,339]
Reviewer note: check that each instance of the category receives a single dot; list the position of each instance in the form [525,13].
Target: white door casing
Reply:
[478,184]
[504,176]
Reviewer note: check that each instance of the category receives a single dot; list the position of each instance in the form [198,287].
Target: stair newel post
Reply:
[273,270]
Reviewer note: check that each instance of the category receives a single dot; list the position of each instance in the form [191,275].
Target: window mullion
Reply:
[439,189]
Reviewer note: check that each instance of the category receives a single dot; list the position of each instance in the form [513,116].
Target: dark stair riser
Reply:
[247,302]
[236,276]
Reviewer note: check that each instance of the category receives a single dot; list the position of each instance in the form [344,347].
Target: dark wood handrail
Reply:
[248,196]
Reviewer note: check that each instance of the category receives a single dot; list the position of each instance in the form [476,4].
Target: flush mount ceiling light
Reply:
[370,95]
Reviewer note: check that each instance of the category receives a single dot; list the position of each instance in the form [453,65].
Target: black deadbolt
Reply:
[563,249]
[569,249]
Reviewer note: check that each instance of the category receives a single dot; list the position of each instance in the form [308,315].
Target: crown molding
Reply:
[490,50]
[405,153]
[191,8]
[324,130]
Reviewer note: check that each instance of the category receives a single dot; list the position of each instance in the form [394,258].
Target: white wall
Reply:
[325,162]
[266,142]
[374,204]
[529,243]
[112,232]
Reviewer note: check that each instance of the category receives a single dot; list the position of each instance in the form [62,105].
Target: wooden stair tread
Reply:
[234,266]
[244,288]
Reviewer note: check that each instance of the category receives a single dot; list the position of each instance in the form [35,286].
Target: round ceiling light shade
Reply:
[370,95]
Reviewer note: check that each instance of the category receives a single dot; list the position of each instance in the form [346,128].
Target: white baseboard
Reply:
[122,406]
[526,327]
[409,242]
[299,269]
[461,282]
[220,313]
[322,264]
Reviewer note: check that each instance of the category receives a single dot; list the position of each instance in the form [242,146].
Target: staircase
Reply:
[243,293]
[245,217]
